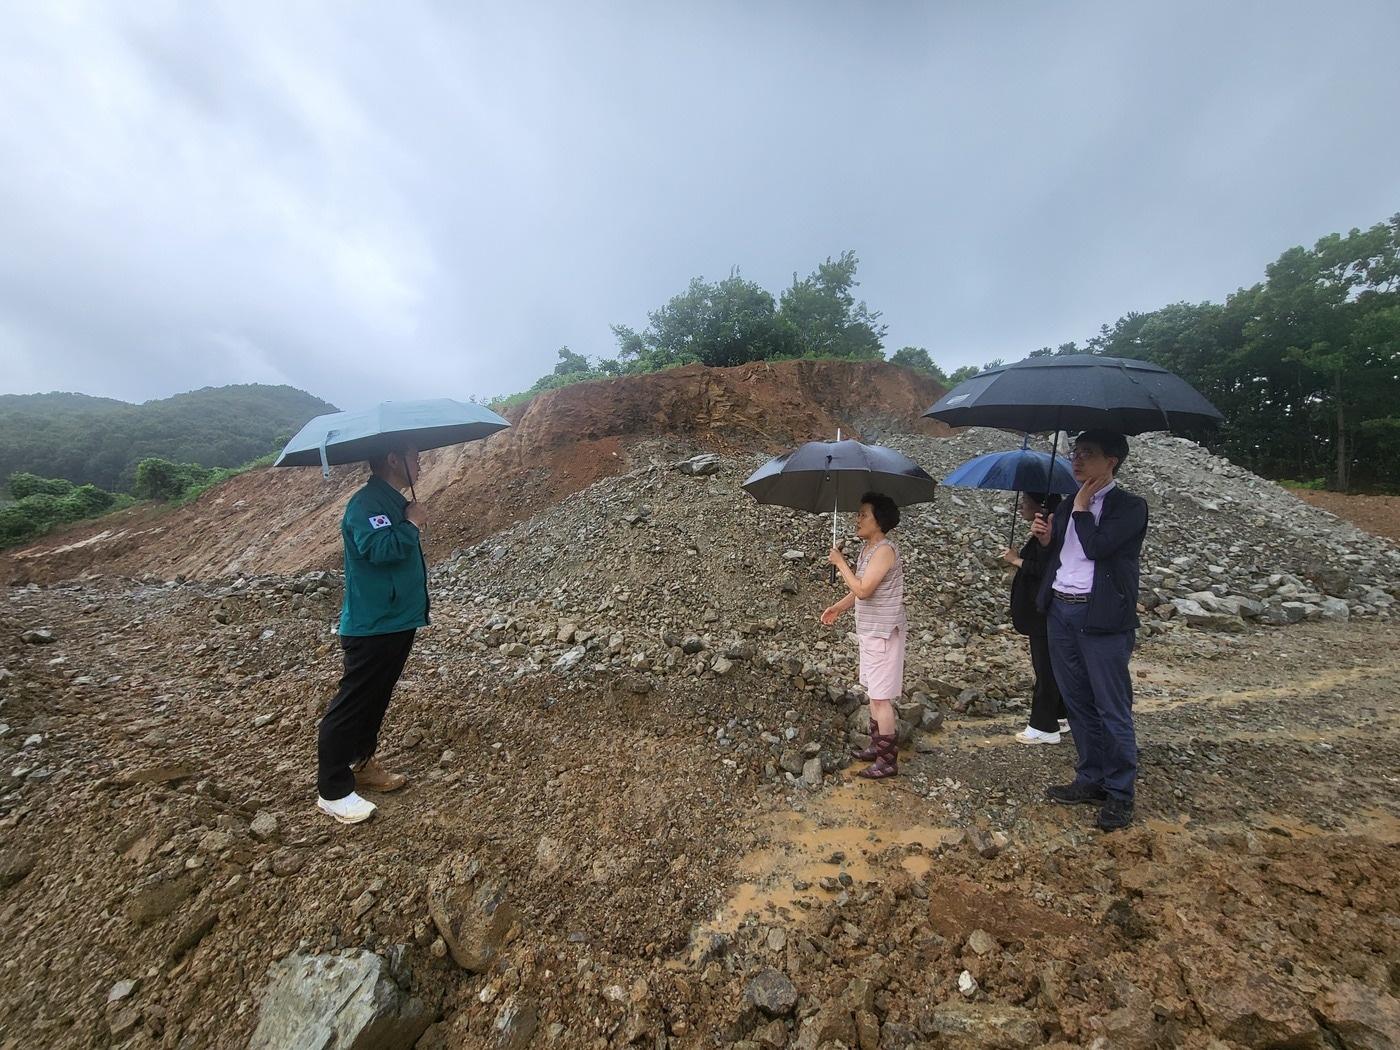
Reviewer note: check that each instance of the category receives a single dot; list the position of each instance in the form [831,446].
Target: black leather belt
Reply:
[1073,599]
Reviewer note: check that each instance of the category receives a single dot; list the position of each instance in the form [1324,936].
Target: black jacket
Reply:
[1026,616]
[1114,545]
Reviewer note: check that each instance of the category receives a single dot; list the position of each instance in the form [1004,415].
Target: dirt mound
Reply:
[287,521]
[1376,514]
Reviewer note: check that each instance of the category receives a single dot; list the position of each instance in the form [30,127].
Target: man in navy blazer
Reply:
[1089,595]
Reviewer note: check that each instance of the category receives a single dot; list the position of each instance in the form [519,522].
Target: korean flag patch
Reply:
[380,521]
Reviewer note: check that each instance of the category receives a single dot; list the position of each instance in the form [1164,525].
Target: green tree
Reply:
[163,480]
[1305,366]
[825,319]
[23,484]
[968,371]
[917,358]
[570,363]
[726,323]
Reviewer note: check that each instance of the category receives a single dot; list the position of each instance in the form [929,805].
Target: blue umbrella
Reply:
[1016,470]
[350,437]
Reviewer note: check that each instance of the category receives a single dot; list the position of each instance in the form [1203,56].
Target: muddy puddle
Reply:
[858,833]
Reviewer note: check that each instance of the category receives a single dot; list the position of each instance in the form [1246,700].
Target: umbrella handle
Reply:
[835,503]
[325,464]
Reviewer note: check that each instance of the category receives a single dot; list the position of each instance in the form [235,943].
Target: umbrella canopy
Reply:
[349,437]
[833,475]
[1017,470]
[1076,392]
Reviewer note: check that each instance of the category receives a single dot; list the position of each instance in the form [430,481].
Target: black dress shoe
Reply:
[1115,813]
[1075,794]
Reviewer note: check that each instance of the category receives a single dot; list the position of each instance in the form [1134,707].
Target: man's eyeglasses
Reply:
[1082,453]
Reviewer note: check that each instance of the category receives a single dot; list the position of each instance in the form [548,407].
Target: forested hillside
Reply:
[99,441]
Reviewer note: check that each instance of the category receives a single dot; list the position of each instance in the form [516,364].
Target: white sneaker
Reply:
[348,810]
[1064,725]
[1035,736]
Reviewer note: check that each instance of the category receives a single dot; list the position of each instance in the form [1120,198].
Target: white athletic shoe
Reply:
[1064,725]
[1035,736]
[348,810]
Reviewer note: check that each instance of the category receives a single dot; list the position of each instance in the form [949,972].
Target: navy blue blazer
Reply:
[1114,545]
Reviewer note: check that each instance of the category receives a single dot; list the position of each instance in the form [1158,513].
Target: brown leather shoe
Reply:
[371,776]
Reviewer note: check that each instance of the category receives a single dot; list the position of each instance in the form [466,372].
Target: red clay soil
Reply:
[287,521]
[1379,515]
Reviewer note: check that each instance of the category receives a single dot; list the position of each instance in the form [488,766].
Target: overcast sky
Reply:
[375,200]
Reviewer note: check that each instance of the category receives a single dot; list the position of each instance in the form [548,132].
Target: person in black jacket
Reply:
[1089,594]
[1047,708]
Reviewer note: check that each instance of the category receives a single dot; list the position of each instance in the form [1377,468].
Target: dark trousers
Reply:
[349,731]
[1092,672]
[1047,706]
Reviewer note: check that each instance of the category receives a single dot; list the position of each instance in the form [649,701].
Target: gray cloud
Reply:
[395,200]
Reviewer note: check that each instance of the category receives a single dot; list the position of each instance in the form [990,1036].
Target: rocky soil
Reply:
[630,820]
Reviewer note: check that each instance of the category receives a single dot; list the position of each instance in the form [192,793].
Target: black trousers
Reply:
[1047,706]
[349,731]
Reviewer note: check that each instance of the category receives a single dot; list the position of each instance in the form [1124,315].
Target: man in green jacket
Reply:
[386,601]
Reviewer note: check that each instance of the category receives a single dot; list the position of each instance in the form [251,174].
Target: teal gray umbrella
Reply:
[822,475]
[351,437]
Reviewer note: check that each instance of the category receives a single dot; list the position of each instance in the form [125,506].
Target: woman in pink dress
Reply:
[876,588]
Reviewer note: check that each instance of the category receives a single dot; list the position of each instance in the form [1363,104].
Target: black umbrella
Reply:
[1076,392]
[833,475]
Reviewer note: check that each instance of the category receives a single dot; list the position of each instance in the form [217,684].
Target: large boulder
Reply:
[1195,614]
[700,465]
[349,1002]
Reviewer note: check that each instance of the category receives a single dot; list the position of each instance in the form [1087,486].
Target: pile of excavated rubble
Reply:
[673,569]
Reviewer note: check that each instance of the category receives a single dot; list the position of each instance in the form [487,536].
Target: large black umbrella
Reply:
[833,475]
[1076,392]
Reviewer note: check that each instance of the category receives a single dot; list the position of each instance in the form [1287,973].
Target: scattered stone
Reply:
[264,826]
[980,942]
[123,1022]
[515,1023]
[831,1025]
[986,844]
[570,659]
[190,935]
[287,862]
[14,867]
[473,921]
[772,992]
[990,1025]
[39,636]
[156,902]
